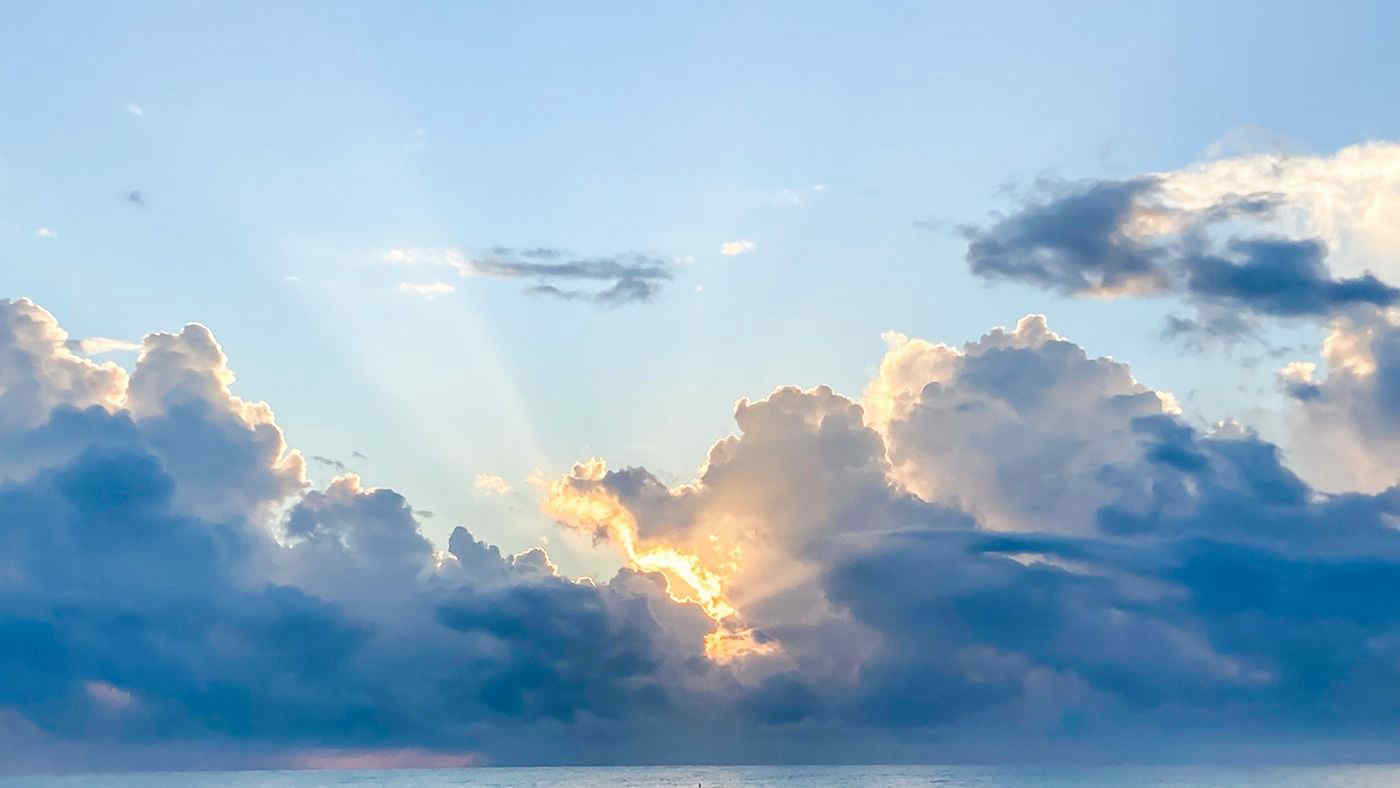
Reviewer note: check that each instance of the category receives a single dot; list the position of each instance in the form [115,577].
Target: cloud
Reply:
[1076,564]
[135,110]
[171,587]
[1347,422]
[1007,549]
[45,233]
[491,483]
[406,758]
[428,290]
[1014,427]
[613,280]
[328,462]
[1210,327]
[96,346]
[736,248]
[1271,235]
[795,196]
[633,278]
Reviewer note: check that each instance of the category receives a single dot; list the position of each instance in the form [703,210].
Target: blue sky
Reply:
[273,142]
[255,168]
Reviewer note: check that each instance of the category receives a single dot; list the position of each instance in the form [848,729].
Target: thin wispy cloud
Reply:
[609,280]
[428,290]
[330,462]
[135,111]
[796,196]
[45,233]
[96,346]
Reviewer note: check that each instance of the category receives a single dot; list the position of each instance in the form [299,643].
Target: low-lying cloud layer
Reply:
[1008,549]
[1004,549]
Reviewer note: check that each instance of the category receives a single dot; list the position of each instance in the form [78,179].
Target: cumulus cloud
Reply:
[607,281]
[1348,420]
[736,248]
[1014,427]
[491,483]
[1270,234]
[1015,541]
[167,576]
[1008,547]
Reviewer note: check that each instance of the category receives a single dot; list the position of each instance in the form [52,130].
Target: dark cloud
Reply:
[144,601]
[1211,327]
[1282,277]
[623,279]
[1144,577]
[1124,238]
[333,464]
[1070,242]
[1012,550]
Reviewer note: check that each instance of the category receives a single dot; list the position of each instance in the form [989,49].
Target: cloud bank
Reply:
[1004,549]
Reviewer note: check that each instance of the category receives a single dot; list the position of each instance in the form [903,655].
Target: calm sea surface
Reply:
[717,776]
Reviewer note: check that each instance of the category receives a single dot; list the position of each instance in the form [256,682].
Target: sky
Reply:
[532,383]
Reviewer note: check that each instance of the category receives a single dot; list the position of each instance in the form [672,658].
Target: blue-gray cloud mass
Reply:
[1009,550]
[1124,237]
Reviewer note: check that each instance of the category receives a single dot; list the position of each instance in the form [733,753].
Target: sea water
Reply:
[771,776]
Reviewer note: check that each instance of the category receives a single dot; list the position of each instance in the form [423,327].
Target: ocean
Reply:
[773,776]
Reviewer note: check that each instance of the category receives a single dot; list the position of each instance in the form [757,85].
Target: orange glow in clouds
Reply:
[599,511]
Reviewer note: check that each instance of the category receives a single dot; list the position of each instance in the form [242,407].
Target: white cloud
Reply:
[1022,456]
[491,483]
[45,232]
[108,696]
[96,346]
[428,290]
[447,256]
[1346,434]
[735,248]
[135,110]
[795,196]
[1350,199]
